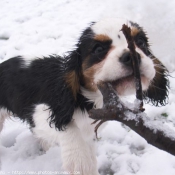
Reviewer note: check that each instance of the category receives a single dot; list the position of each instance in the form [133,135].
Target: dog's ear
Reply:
[62,110]
[73,71]
[157,92]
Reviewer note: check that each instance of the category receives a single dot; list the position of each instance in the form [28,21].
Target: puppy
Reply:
[53,94]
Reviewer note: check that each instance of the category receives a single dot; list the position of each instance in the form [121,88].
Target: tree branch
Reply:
[114,109]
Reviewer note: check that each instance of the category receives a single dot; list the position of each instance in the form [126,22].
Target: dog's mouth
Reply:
[123,82]
[126,85]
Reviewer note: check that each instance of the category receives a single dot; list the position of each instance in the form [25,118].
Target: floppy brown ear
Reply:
[157,92]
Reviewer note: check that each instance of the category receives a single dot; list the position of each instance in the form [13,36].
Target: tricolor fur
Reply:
[53,94]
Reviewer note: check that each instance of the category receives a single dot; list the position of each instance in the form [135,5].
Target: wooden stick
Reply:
[135,62]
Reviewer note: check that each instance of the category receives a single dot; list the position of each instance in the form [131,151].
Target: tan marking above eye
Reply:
[134,31]
[102,38]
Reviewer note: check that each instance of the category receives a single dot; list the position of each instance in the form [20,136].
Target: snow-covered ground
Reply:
[42,27]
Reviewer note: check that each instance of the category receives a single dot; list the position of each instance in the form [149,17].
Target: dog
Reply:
[54,93]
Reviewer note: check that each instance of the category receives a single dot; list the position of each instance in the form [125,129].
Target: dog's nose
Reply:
[126,58]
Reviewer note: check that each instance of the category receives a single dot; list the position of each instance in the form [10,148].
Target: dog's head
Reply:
[105,56]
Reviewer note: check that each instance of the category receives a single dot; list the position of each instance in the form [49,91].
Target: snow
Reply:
[38,28]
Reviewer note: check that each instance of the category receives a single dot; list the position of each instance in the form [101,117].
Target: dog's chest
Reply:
[83,121]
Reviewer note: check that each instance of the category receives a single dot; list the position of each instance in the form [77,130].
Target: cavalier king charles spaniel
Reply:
[53,94]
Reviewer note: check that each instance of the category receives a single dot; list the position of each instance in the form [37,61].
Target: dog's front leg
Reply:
[76,154]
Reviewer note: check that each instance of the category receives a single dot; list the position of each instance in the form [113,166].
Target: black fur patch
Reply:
[21,89]
[141,39]
[158,91]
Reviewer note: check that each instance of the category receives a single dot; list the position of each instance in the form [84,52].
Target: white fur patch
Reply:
[95,97]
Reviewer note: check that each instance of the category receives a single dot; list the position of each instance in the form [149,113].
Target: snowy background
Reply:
[42,27]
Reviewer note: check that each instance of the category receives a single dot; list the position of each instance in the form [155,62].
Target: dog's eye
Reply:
[97,49]
[141,43]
